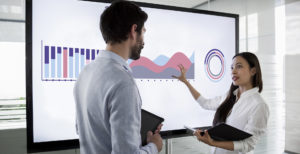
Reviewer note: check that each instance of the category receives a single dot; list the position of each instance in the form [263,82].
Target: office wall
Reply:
[292,73]
[292,76]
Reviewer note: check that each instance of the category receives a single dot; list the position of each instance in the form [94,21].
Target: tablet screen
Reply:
[149,122]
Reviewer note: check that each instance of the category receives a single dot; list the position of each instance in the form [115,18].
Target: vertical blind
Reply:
[12,113]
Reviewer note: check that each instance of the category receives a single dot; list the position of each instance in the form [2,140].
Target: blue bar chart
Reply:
[76,62]
[46,62]
[60,63]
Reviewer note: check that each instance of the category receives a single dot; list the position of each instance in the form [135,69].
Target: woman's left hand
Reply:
[205,138]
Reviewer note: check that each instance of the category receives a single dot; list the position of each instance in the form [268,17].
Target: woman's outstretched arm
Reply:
[183,79]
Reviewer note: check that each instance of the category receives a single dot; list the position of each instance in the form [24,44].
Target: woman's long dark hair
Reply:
[224,109]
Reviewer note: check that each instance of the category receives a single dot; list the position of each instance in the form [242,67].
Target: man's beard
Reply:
[137,49]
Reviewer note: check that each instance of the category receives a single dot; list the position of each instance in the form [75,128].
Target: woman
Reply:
[242,107]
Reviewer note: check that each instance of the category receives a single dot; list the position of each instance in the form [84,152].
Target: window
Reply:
[12,64]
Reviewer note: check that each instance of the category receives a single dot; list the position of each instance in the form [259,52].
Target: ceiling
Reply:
[178,3]
[15,9]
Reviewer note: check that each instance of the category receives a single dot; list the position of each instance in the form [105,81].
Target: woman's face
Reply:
[241,73]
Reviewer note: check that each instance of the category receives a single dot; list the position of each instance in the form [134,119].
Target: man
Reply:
[108,104]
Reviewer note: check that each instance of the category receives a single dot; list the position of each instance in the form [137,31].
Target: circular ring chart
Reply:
[214,65]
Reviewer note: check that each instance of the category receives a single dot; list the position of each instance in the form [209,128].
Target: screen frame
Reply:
[71,144]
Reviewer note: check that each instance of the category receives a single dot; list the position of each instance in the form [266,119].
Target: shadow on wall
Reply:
[292,91]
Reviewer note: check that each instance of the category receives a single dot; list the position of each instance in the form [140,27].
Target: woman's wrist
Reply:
[185,81]
[212,143]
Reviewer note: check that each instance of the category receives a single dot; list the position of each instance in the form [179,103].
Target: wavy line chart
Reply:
[162,67]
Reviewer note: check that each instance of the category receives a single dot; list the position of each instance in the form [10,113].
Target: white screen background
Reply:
[71,23]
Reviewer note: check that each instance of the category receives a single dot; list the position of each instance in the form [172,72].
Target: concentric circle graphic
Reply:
[214,65]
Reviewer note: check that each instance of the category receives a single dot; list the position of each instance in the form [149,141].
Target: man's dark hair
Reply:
[116,21]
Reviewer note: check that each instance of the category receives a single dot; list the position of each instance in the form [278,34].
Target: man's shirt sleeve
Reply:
[125,121]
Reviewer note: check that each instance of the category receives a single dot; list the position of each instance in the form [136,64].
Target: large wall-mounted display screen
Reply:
[63,36]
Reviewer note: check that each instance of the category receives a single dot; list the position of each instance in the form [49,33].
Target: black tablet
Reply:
[224,132]
[149,122]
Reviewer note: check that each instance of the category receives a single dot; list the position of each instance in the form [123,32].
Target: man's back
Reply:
[108,107]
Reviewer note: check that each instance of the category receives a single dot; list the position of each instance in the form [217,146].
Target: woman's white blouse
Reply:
[250,113]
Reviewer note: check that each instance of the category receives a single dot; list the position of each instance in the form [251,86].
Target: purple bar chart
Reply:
[60,63]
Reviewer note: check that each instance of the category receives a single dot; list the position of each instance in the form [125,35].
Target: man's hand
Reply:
[156,139]
[158,128]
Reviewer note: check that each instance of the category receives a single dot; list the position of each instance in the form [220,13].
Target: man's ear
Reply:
[133,32]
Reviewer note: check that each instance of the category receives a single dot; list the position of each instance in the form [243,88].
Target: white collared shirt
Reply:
[250,113]
[108,108]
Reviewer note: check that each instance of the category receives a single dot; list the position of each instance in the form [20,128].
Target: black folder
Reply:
[149,122]
[224,132]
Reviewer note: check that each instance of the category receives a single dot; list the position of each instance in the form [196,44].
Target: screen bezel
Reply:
[71,144]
